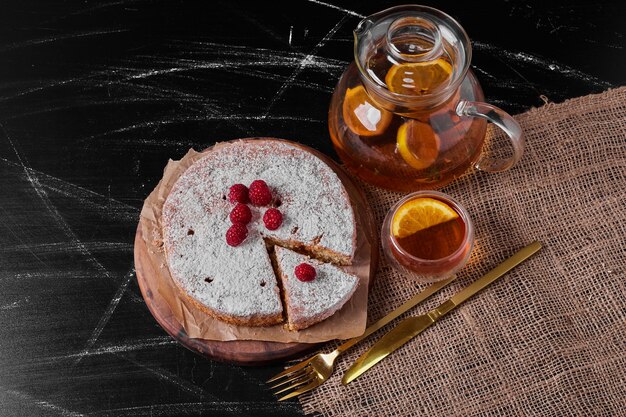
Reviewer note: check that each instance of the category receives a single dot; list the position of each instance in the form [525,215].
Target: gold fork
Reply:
[313,372]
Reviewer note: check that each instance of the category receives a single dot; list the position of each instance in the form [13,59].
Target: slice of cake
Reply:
[311,297]
[234,280]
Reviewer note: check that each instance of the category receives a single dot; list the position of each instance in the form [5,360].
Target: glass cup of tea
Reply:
[428,236]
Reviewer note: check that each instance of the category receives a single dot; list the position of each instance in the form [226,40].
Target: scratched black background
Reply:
[95,97]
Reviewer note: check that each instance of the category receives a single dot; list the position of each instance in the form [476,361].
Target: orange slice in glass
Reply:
[418,144]
[361,115]
[418,78]
[420,214]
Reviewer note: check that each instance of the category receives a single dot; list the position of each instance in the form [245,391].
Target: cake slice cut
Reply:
[310,302]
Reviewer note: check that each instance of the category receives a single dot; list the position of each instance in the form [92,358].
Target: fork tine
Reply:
[304,381]
[301,390]
[288,371]
[296,375]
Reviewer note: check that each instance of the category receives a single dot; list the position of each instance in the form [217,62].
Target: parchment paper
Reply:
[349,322]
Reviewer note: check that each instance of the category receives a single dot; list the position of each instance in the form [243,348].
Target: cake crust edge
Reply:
[255,320]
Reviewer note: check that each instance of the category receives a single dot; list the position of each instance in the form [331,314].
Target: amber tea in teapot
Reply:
[408,114]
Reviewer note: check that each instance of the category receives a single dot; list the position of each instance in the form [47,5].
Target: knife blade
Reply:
[413,326]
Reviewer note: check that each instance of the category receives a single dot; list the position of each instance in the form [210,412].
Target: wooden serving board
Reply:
[248,352]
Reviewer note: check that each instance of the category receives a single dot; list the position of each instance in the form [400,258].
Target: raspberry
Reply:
[238,193]
[241,214]
[260,194]
[236,234]
[272,219]
[305,272]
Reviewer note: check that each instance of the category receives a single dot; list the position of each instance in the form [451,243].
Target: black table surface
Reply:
[94,99]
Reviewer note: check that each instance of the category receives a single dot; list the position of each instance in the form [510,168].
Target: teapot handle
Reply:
[505,122]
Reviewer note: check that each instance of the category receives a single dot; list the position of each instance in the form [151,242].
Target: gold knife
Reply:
[412,326]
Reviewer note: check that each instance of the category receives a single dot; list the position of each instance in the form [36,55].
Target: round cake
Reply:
[240,284]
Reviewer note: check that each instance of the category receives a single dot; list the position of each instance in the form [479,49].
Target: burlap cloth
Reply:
[547,339]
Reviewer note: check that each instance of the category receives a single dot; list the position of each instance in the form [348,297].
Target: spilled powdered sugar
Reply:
[240,281]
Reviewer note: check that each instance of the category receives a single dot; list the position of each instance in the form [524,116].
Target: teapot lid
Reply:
[411,52]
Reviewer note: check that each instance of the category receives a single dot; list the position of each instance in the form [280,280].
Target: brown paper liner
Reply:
[348,322]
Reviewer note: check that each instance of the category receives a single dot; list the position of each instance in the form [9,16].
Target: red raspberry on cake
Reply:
[236,234]
[238,193]
[241,214]
[272,219]
[244,288]
[305,272]
[259,193]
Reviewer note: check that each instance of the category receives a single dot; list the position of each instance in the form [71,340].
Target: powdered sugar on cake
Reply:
[216,275]
[312,301]
[239,281]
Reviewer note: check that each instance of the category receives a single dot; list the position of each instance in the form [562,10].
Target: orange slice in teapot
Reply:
[418,144]
[418,78]
[361,115]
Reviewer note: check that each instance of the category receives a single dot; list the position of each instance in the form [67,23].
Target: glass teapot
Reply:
[407,114]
